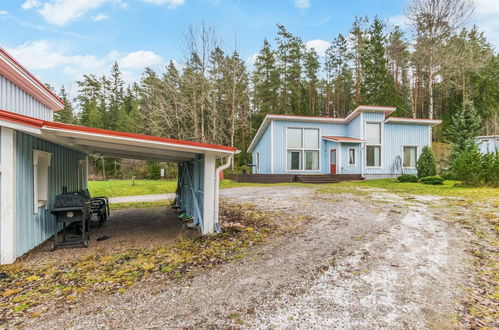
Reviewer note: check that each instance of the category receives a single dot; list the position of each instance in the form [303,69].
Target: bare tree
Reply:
[434,22]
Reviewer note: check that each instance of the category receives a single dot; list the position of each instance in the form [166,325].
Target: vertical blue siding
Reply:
[355,127]
[395,137]
[32,229]
[489,144]
[280,152]
[263,148]
[14,99]
[190,194]
[374,116]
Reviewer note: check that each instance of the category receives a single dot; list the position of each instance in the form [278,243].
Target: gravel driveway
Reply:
[355,264]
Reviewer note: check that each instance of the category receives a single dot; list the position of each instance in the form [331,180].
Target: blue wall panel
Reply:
[263,148]
[32,229]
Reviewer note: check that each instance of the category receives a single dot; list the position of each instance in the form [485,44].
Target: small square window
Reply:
[373,156]
[294,160]
[410,154]
[351,157]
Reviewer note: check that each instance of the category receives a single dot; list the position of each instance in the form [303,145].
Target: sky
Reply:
[60,40]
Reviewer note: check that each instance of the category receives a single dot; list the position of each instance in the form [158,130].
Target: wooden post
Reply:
[209,194]
[7,198]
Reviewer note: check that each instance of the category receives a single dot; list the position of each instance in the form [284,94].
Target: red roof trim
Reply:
[52,101]
[30,121]
[343,138]
[309,117]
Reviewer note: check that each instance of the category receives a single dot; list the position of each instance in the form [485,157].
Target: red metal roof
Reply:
[28,82]
[343,139]
[34,122]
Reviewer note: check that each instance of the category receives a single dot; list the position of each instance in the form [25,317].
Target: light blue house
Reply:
[40,158]
[488,144]
[368,142]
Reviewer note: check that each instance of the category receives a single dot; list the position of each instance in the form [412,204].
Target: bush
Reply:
[489,172]
[154,171]
[407,178]
[426,164]
[435,179]
[467,166]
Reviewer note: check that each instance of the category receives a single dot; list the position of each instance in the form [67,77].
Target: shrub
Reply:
[467,166]
[489,172]
[407,178]
[435,179]
[154,171]
[426,164]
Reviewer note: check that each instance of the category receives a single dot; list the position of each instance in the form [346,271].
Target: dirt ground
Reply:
[127,229]
[356,263]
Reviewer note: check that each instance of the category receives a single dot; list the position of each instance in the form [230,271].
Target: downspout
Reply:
[218,228]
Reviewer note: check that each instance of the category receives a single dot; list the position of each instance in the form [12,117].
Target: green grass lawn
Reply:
[115,188]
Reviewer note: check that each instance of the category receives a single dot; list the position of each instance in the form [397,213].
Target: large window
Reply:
[410,155]
[373,148]
[41,164]
[302,149]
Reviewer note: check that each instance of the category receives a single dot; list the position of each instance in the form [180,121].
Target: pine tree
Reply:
[377,83]
[426,164]
[265,84]
[311,65]
[65,115]
[465,126]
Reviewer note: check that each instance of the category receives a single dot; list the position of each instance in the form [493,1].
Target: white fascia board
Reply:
[259,134]
[20,127]
[414,121]
[104,137]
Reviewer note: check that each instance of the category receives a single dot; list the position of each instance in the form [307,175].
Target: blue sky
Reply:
[59,40]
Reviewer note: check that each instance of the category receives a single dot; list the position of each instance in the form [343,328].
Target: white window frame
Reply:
[257,162]
[354,157]
[41,184]
[303,149]
[380,145]
[417,156]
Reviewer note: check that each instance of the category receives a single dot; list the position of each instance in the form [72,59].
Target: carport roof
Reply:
[112,143]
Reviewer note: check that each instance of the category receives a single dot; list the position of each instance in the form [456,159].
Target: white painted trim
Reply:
[302,149]
[338,169]
[413,121]
[209,194]
[37,203]
[418,151]
[354,157]
[272,148]
[32,81]
[181,147]
[429,136]
[20,127]
[7,198]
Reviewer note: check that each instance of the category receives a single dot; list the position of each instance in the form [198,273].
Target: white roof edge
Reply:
[32,81]
[487,136]
[194,149]
[413,121]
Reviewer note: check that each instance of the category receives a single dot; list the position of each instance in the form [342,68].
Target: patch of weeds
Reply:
[482,301]
[138,205]
[63,285]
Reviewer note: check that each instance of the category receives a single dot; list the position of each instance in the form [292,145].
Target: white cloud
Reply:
[61,12]
[169,3]
[49,57]
[251,60]
[3,12]
[302,4]
[140,59]
[399,20]
[487,7]
[99,17]
[319,45]
[30,4]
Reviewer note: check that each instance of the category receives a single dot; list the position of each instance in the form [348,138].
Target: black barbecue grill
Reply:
[75,209]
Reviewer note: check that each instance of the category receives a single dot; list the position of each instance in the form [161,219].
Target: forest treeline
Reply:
[215,97]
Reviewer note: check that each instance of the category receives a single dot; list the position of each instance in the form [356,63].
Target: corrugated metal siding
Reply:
[345,168]
[373,116]
[32,229]
[280,153]
[395,137]
[191,193]
[264,149]
[354,128]
[488,145]
[14,99]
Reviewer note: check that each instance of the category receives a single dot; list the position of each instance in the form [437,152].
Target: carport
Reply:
[198,187]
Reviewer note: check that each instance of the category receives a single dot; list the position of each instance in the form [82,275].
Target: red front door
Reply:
[332,161]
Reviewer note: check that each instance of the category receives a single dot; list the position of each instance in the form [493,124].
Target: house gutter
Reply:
[218,228]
